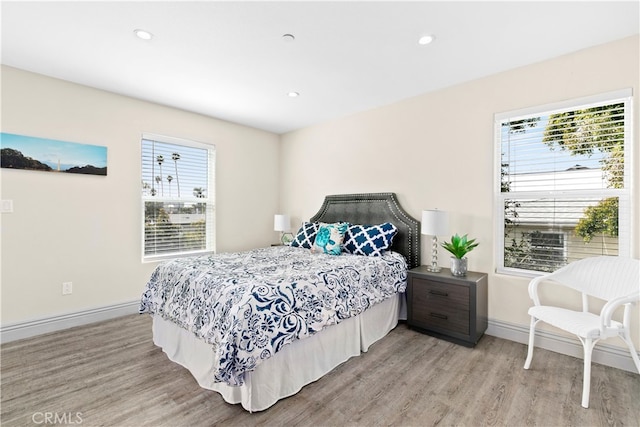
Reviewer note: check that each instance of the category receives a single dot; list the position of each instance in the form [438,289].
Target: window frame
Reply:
[210,222]
[625,195]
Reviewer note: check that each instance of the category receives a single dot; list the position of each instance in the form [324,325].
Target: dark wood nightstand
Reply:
[448,307]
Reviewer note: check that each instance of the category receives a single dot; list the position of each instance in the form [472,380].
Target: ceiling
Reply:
[229,59]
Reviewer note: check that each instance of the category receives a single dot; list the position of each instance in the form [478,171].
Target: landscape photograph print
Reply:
[50,155]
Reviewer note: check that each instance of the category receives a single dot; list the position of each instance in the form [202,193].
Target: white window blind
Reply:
[563,183]
[177,196]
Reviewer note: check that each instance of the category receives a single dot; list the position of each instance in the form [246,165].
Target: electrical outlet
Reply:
[67,288]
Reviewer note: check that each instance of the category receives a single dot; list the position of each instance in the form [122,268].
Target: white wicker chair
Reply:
[613,279]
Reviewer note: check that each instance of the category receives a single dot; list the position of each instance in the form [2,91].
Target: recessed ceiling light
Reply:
[143,34]
[293,94]
[426,39]
[288,37]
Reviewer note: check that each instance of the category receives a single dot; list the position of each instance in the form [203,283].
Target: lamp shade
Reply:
[434,222]
[281,222]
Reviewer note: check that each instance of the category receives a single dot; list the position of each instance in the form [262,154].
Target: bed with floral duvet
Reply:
[256,326]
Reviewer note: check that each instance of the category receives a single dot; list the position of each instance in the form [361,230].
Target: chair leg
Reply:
[588,345]
[532,334]
[634,354]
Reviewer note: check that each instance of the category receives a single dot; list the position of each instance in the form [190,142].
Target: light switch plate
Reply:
[7,206]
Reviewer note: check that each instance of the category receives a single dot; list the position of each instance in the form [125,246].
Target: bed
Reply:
[293,355]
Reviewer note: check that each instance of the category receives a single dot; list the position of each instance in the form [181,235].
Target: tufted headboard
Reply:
[375,208]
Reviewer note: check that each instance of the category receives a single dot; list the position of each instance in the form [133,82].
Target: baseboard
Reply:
[603,353]
[21,330]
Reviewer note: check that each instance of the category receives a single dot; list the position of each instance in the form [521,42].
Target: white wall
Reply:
[437,151]
[86,229]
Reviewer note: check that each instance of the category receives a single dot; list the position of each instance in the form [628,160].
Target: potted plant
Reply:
[459,247]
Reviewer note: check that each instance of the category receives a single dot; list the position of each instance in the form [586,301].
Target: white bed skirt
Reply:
[294,366]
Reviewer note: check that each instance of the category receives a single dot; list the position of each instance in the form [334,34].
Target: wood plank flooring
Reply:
[111,374]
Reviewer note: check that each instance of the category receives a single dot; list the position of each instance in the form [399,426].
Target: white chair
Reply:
[613,279]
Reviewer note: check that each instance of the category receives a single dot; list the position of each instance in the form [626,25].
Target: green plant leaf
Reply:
[459,246]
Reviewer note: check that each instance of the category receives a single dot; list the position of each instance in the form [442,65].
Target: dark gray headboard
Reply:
[375,208]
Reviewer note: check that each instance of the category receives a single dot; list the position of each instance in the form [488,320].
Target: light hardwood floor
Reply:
[111,374]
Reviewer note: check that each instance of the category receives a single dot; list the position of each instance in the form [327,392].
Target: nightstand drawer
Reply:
[444,308]
[445,295]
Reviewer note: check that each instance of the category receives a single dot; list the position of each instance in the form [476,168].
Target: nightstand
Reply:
[448,307]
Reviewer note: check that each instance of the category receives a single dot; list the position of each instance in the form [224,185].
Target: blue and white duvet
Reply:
[248,305]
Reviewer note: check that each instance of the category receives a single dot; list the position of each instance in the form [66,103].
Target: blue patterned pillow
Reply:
[329,238]
[369,240]
[306,235]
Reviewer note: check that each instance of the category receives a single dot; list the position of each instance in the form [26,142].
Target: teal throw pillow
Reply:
[329,238]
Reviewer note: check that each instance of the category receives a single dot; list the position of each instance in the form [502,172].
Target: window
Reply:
[562,183]
[177,197]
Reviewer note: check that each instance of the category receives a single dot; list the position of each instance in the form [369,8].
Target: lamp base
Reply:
[434,268]
[286,238]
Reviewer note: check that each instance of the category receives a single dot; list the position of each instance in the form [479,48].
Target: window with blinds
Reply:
[563,183]
[177,197]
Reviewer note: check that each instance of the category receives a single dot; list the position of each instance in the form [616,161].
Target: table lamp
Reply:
[434,223]
[282,223]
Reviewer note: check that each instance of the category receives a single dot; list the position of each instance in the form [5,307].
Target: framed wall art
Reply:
[50,155]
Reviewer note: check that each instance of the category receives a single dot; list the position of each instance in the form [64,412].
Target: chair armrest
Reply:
[611,306]
[533,287]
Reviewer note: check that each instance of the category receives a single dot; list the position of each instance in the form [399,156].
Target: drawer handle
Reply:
[439,316]
[439,293]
